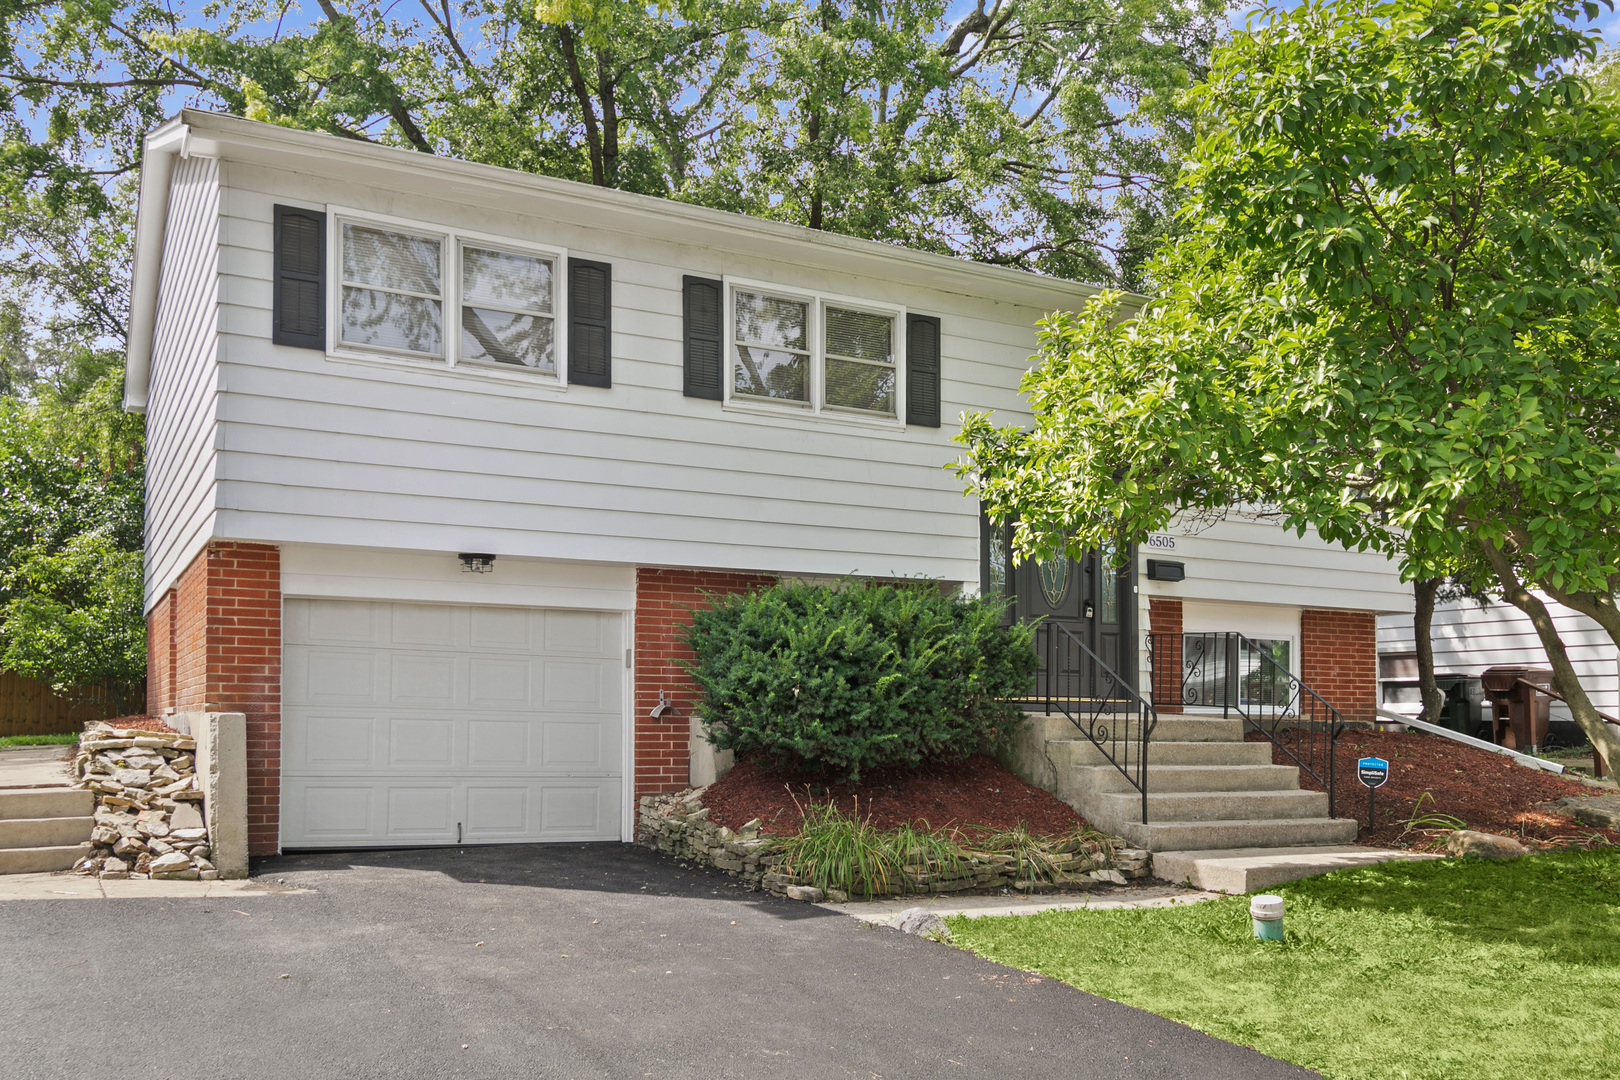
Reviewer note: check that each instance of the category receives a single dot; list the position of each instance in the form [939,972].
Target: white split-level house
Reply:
[440,452]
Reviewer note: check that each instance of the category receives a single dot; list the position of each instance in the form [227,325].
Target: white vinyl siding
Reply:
[323,451]
[1468,639]
[372,453]
[181,407]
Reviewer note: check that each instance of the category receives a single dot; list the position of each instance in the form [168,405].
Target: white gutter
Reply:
[1468,740]
[151,224]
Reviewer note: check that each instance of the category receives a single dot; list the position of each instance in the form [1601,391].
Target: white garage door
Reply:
[438,724]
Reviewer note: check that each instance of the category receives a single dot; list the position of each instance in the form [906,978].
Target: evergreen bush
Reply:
[852,677]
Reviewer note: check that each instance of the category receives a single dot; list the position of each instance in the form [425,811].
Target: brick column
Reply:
[664,600]
[1164,622]
[223,654]
[1338,658]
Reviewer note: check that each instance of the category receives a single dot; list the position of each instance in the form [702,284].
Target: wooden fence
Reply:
[31,707]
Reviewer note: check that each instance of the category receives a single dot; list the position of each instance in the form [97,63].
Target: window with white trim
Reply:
[440,295]
[813,353]
[393,290]
[507,308]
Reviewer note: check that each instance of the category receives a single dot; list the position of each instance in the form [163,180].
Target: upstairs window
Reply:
[815,354]
[465,301]
[507,309]
[393,291]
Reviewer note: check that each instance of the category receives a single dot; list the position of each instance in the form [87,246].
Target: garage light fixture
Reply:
[476,563]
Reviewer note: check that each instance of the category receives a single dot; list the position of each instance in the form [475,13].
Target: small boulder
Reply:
[185,820]
[128,847]
[171,863]
[922,922]
[1480,845]
[808,893]
[837,896]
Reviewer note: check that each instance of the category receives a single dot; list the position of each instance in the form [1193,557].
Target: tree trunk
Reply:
[607,89]
[1565,681]
[1434,702]
[582,94]
[1596,606]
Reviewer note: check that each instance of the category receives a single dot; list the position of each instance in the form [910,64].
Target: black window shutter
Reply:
[298,308]
[705,352]
[922,370]
[590,323]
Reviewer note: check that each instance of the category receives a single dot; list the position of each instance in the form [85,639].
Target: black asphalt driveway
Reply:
[545,961]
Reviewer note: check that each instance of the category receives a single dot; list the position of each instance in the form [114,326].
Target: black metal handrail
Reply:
[1238,674]
[1100,702]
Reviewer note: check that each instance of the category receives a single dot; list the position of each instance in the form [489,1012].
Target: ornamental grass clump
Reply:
[843,851]
[847,678]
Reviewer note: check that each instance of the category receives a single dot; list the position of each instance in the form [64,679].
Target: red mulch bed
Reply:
[141,723]
[977,791]
[1486,790]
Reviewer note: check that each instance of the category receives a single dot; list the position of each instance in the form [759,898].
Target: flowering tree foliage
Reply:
[1394,316]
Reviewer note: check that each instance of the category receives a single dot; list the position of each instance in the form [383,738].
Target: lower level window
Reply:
[1223,669]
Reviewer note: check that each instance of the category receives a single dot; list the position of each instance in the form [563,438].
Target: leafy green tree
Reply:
[1036,133]
[70,542]
[1394,317]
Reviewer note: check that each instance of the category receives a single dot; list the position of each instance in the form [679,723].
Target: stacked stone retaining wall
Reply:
[679,824]
[148,816]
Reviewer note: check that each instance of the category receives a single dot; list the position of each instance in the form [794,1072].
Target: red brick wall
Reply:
[244,671]
[1164,622]
[1338,658]
[190,661]
[160,655]
[663,600]
[214,643]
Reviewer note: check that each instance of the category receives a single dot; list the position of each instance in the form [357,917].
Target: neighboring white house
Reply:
[439,452]
[1468,638]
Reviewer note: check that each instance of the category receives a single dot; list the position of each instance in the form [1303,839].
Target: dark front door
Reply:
[1088,597]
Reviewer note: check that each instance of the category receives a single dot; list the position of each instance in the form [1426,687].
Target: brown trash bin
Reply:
[1519,715]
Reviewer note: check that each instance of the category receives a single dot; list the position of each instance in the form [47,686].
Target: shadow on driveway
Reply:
[599,868]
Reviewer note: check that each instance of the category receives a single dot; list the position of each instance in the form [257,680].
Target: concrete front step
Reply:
[1083,752]
[1184,806]
[1174,728]
[1242,870]
[46,802]
[1173,779]
[41,860]
[1204,835]
[44,831]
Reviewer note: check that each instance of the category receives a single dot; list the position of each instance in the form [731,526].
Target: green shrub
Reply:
[849,678]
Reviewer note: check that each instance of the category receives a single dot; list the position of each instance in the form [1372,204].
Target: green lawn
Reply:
[1455,969]
[9,741]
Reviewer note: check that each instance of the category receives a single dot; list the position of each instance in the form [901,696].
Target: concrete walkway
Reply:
[1135,896]
[35,766]
[556,962]
[69,886]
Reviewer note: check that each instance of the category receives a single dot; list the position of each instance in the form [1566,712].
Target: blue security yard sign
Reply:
[1374,773]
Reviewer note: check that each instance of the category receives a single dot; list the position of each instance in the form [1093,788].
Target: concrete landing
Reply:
[35,766]
[1242,870]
